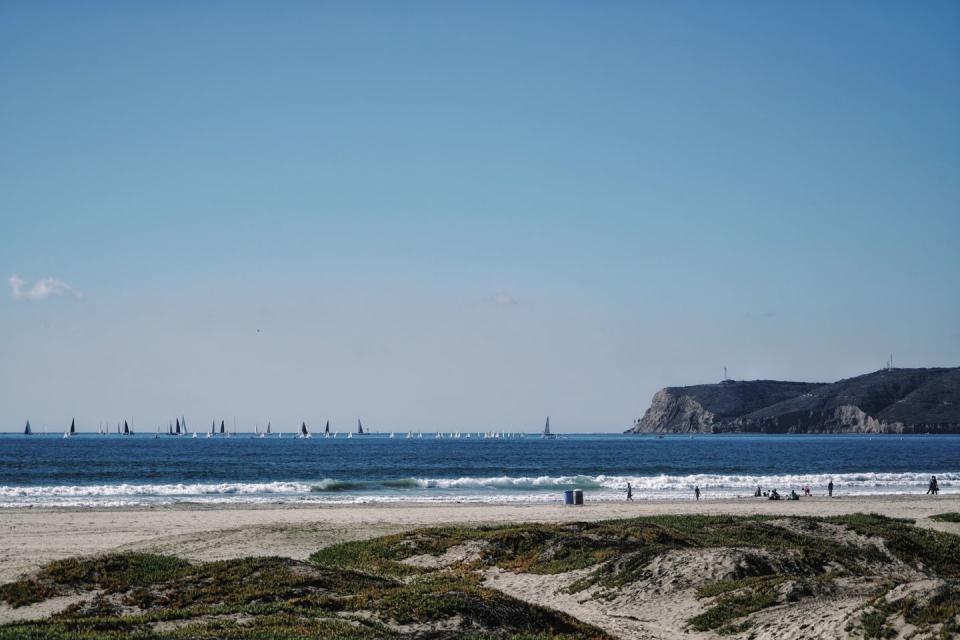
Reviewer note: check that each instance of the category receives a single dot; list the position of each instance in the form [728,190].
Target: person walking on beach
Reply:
[830,488]
[629,492]
[696,492]
[934,487]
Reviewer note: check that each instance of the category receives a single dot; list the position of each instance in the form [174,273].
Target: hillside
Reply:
[886,401]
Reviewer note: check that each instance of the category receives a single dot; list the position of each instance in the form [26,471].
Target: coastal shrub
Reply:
[874,624]
[735,605]
[942,607]
[925,549]
[274,598]
[712,589]
[377,557]
[113,572]
[950,516]
[27,591]
[446,595]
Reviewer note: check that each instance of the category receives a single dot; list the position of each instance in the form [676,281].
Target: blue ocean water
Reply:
[88,469]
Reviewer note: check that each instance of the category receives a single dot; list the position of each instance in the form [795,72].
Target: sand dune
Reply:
[656,607]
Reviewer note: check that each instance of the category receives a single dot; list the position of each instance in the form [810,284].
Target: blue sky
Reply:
[467,215]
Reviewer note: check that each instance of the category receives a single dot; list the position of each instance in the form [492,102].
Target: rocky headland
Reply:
[885,401]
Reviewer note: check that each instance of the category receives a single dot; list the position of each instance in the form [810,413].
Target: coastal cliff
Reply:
[886,401]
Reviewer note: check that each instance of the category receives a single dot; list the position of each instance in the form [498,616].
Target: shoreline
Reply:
[414,502]
[30,537]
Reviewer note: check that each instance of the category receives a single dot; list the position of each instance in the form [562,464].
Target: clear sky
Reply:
[467,215]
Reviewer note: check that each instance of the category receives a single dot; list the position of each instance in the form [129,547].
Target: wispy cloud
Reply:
[39,290]
[504,300]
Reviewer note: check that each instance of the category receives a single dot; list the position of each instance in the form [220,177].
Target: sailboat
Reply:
[183,423]
[26,430]
[213,429]
[72,430]
[359,428]
[326,430]
[126,429]
[546,430]
[268,430]
[222,428]
[176,431]
[304,432]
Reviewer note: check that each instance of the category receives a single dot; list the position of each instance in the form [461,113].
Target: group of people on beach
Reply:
[773,494]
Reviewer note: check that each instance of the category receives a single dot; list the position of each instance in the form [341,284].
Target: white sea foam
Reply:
[466,489]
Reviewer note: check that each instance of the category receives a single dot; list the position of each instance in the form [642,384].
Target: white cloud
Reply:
[504,300]
[41,289]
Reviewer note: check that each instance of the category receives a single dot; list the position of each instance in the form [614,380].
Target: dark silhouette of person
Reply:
[629,492]
[934,487]
[830,488]
[696,492]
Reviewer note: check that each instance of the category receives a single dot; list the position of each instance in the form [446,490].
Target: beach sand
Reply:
[32,537]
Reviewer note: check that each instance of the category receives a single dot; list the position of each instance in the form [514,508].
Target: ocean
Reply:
[111,470]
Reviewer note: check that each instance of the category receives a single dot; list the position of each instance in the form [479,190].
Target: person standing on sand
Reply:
[696,492]
[830,488]
[629,492]
[934,487]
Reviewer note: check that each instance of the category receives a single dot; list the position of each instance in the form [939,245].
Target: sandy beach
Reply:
[31,537]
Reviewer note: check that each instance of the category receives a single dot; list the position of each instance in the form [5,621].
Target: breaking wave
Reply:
[466,489]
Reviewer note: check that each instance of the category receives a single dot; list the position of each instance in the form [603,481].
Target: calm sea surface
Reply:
[115,470]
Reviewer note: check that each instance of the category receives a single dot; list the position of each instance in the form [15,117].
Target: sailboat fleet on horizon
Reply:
[178,428]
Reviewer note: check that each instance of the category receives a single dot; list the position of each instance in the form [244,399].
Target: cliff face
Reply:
[887,401]
[700,408]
